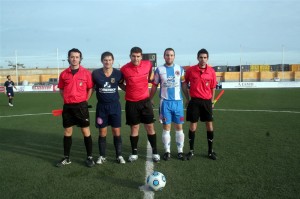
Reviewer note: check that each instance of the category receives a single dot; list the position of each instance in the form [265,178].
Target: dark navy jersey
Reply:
[9,85]
[106,88]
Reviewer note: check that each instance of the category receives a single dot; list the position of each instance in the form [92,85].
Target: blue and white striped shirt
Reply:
[169,78]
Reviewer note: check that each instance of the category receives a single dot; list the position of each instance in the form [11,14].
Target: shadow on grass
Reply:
[31,143]
[49,146]
[114,180]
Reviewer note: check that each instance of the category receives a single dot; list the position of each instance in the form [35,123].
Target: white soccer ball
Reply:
[156,181]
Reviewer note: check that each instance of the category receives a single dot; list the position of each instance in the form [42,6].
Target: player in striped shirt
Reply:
[169,77]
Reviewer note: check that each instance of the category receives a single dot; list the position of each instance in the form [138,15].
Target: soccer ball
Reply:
[156,181]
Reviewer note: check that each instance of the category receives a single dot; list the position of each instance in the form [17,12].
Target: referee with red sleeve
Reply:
[138,106]
[76,86]
[202,81]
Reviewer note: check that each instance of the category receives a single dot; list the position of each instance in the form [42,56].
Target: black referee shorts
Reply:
[139,112]
[199,108]
[76,114]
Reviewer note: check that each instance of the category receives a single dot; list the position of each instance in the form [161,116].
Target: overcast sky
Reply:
[233,31]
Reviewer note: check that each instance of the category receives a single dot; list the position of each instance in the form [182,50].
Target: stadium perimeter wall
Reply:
[258,76]
[226,85]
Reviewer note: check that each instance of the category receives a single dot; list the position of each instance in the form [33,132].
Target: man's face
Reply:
[203,59]
[108,62]
[136,58]
[9,78]
[74,59]
[169,57]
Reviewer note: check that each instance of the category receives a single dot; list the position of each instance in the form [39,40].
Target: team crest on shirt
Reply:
[80,83]
[112,80]
[177,73]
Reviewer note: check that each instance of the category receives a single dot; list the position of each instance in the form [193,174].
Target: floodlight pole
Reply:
[282,62]
[240,63]
[17,76]
[57,63]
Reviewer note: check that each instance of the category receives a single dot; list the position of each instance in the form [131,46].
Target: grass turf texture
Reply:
[258,152]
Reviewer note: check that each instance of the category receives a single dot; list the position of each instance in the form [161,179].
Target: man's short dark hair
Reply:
[107,54]
[136,50]
[202,51]
[75,50]
[7,76]
[169,49]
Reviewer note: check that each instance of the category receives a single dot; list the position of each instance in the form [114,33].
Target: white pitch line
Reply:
[267,111]
[233,110]
[148,194]
[28,114]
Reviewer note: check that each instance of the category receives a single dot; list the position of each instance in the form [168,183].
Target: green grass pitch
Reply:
[257,135]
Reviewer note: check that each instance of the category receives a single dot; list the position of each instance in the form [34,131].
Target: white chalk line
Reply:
[233,110]
[149,166]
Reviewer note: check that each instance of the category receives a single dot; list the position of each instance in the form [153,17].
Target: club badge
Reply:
[112,80]
[80,83]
